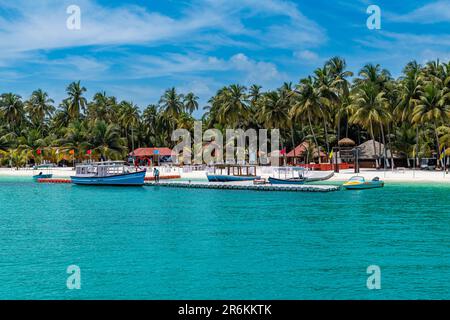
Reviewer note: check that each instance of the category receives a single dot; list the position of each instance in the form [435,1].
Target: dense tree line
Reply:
[409,114]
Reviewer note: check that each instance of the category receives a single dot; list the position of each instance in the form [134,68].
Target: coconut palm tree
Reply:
[233,107]
[76,138]
[171,102]
[12,110]
[190,102]
[432,109]
[369,106]
[336,67]
[129,119]
[254,93]
[77,103]
[106,140]
[274,112]
[30,141]
[308,102]
[39,108]
[102,107]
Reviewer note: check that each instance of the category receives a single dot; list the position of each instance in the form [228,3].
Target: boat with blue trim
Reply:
[42,176]
[273,180]
[110,173]
[358,183]
[230,173]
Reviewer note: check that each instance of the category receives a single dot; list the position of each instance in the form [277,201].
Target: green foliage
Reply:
[412,112]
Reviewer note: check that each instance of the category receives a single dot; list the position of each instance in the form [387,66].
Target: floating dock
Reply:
[245,185]
[65,180]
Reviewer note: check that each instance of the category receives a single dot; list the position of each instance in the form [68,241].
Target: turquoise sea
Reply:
[164,243]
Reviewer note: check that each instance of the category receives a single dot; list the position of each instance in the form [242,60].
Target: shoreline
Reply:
[404,176]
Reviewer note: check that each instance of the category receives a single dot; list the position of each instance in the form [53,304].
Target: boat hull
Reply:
[128,179]
[366,185]
[286,181]
[43,176]
[225,178]
[318,177]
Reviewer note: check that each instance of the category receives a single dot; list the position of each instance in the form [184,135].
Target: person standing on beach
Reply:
[156,174]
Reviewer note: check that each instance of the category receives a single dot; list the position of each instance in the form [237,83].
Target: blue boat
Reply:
[42,176]
[227,178]
[112,173]
[358,183]
[233,173]
[273,180]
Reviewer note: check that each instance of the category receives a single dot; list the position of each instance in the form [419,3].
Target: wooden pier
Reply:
[244,185]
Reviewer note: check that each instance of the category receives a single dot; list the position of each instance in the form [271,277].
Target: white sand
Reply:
[344,175]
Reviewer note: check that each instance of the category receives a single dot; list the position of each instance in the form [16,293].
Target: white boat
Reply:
[112,173]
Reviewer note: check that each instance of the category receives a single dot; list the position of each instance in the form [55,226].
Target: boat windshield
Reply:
[357,178]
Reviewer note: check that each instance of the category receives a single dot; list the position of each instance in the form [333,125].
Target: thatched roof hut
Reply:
[346,142]
[368,151]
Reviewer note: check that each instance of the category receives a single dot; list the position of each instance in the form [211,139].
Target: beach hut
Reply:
[372,155]
[299,155]
[152,156]
[345,147]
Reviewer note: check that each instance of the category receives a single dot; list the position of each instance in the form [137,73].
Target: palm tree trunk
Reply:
[314,135]
[416,155]
[338,126]
[383,138]
[390,147]
[373,141]
[292,138]
[437,143]
[325,127]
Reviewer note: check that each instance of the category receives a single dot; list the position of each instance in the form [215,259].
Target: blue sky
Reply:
[136,49]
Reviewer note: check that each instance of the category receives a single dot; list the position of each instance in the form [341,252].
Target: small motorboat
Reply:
[273,180]
[42,176]
[358,182]
[111,173]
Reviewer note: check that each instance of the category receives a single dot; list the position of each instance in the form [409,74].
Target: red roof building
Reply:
[299,153]
[150,152]
[150,156]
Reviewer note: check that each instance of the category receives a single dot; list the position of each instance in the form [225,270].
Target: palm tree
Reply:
[76,138]
[30,141]
[129,119]
[233,108]
[324,83]
[61,118]
[369,105]
[39,107]
[190,102]
[172,102]
[254,94]
[102,107]
[106,139]
[274,112]
[308,104]
[411,85]
[336,67]
[431,108]
[373,74]
[77,103]
[12,110]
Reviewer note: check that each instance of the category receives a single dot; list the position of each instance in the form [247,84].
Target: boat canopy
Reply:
[357,178]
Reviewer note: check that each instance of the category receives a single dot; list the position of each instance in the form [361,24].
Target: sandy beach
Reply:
[409,176]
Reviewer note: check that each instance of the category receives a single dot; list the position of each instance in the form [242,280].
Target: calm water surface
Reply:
[158,243]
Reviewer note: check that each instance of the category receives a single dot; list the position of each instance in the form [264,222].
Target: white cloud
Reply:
[306,56]
[255,71]
[434,12]
[42,25]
